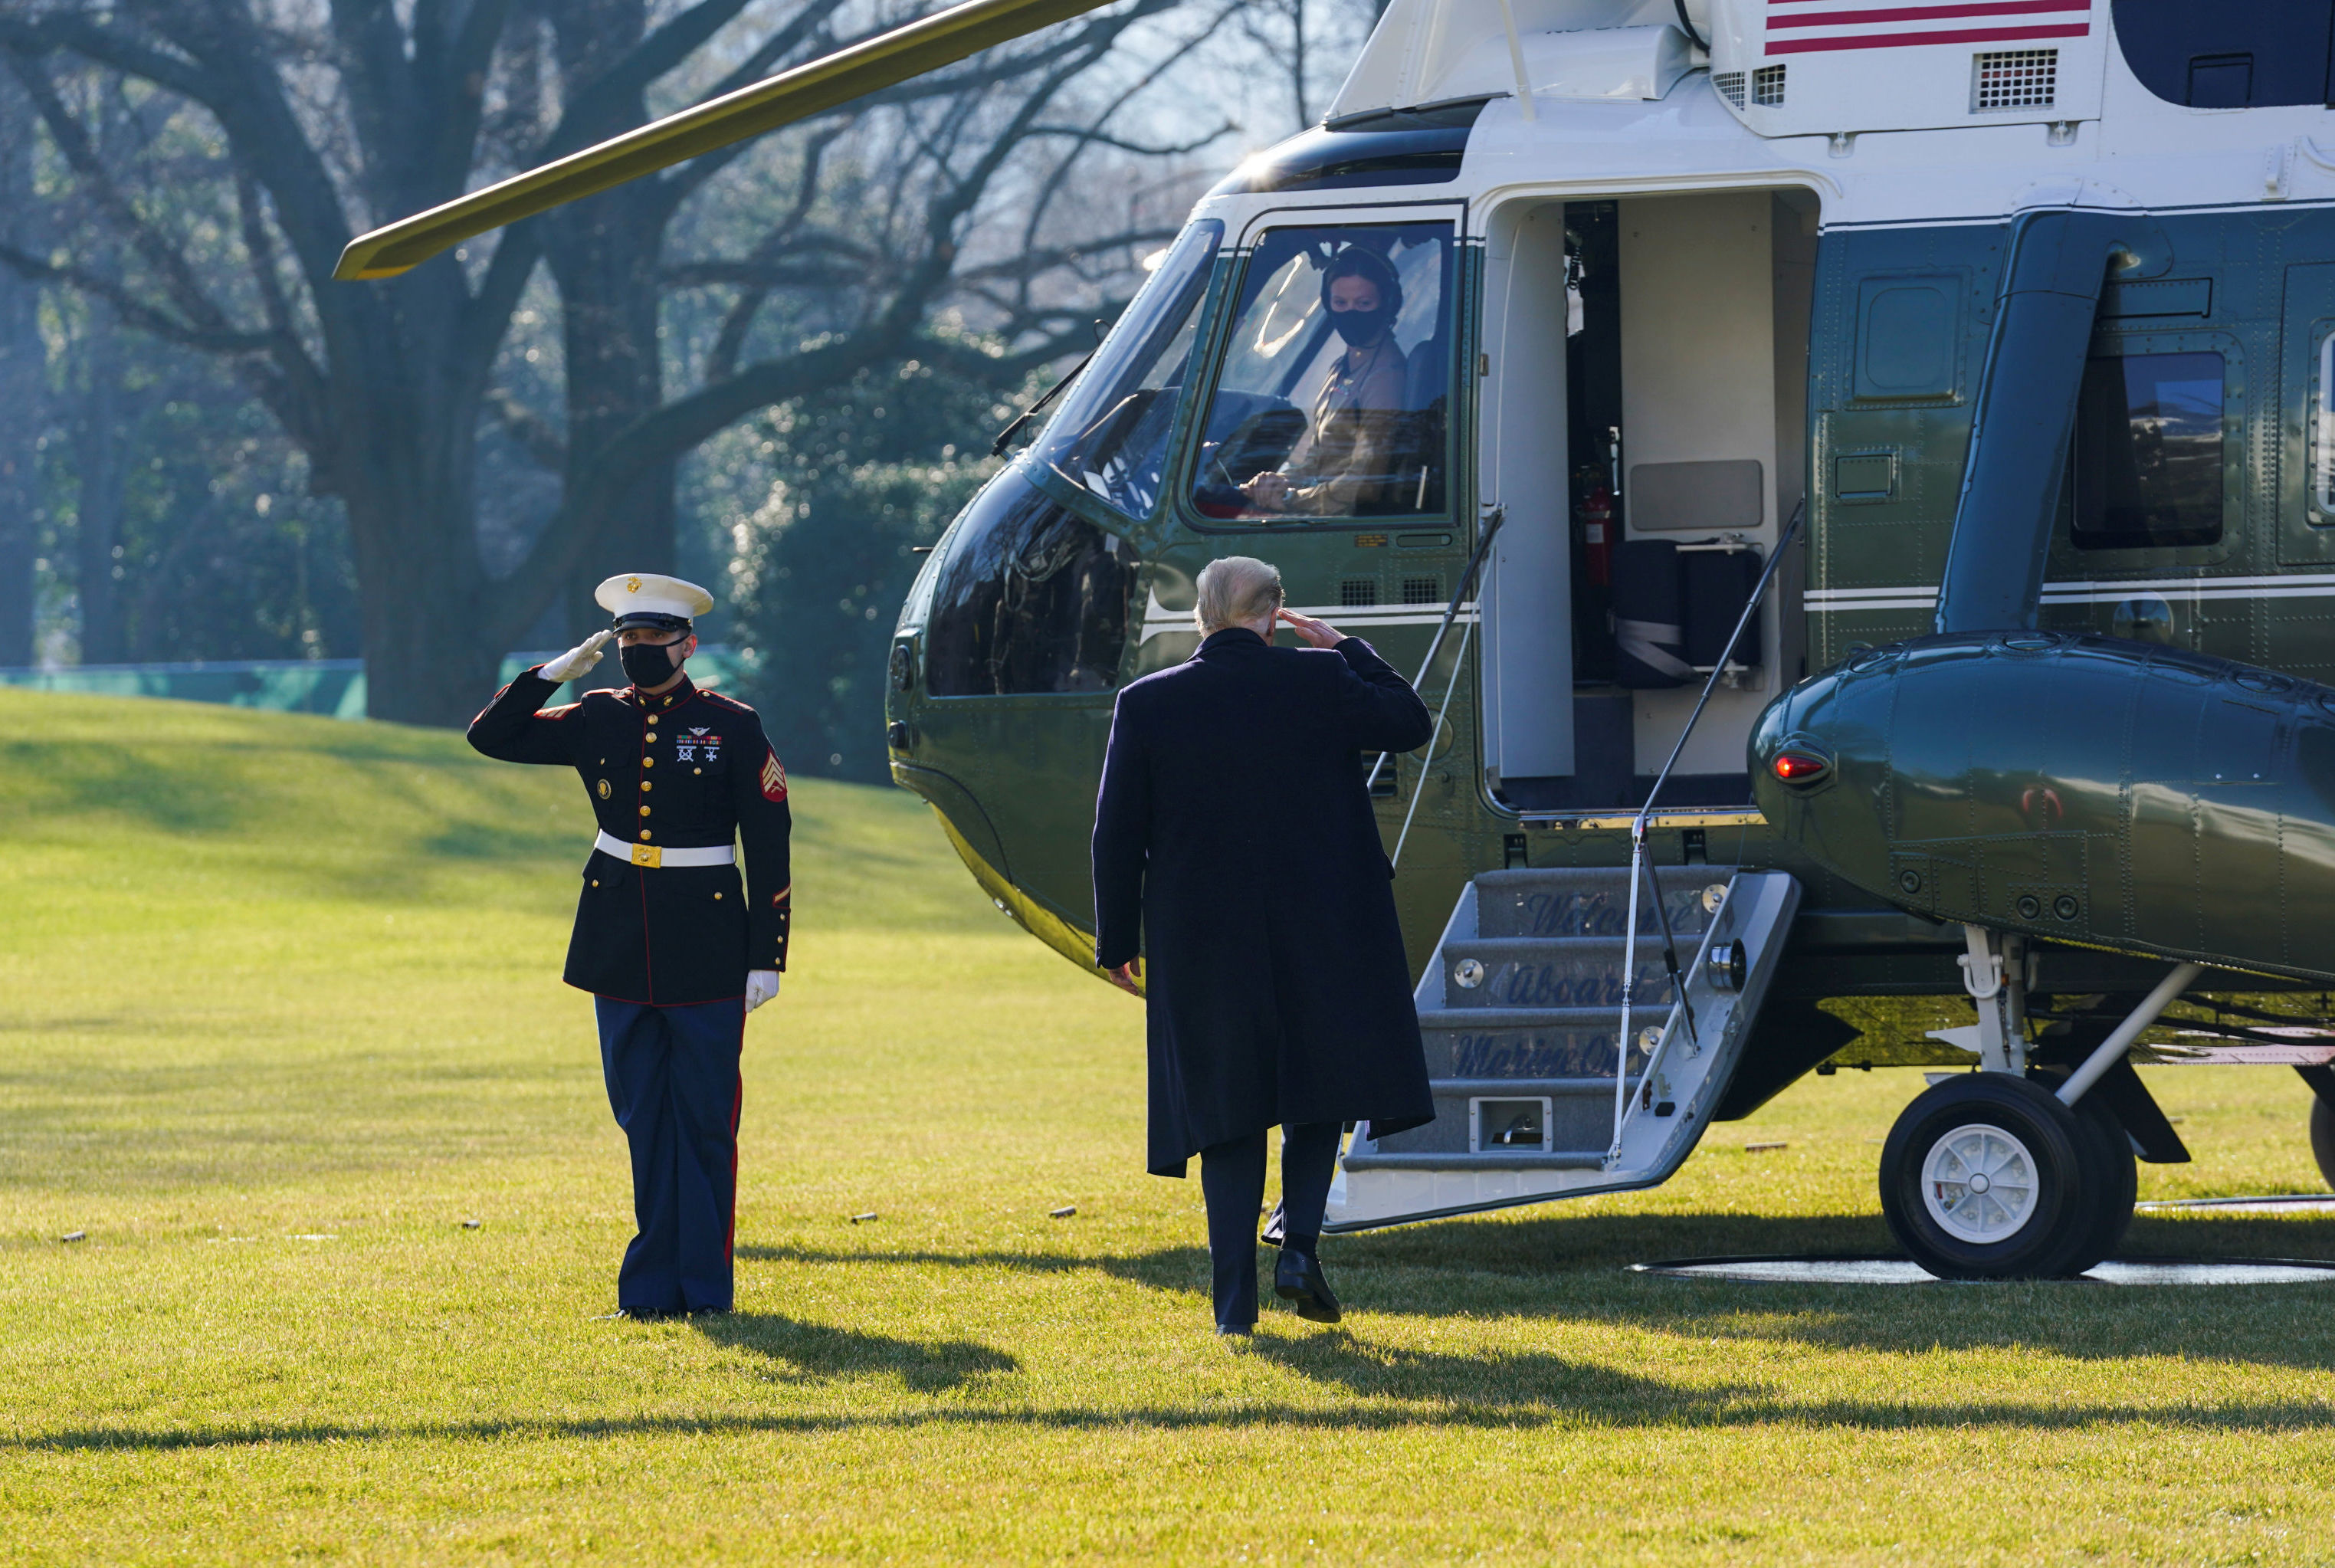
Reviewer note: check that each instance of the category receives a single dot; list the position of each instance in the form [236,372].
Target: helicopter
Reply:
[1855,481]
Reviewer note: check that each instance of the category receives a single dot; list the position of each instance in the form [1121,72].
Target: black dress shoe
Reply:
[1235,1331]
[1297,1278]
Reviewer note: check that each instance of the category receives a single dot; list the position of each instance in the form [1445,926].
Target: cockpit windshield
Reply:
[1110,437]
[1331,399]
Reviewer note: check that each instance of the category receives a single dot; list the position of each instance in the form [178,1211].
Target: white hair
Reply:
[1236,590]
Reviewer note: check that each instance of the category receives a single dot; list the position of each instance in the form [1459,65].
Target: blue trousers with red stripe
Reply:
[673,1083]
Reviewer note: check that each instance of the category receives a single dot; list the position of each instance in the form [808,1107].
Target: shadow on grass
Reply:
[814,1350]
[1571,1268]
[1577,1396]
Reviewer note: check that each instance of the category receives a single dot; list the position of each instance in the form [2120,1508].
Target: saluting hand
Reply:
[1320,633]
[577,660]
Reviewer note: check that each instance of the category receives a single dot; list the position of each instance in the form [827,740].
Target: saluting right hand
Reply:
[577,660]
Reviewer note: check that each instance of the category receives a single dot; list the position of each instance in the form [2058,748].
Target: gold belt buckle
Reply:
[648,855]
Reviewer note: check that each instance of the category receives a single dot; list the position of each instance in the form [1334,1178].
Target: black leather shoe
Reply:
[1235,1331]
[1297,1278]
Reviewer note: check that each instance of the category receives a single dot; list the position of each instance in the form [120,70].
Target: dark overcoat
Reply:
[1234,847]
[684,769]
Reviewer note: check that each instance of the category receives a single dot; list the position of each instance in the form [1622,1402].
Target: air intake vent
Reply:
[2014,78]
[1768,86]
[1731,86]
[1355,591]
[1420,591]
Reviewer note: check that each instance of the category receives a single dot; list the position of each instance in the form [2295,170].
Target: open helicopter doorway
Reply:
[1645,425]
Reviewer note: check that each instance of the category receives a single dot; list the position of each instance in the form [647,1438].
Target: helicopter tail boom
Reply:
[926,44]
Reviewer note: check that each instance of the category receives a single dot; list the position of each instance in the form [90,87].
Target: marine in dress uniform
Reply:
[676,948]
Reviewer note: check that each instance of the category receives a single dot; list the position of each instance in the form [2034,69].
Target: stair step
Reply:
[1578,1115]
[1495,1042]
[1551,973]
[1593,902]
[1428,1159]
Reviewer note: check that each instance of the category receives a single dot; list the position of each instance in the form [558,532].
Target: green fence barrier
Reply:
[335,687]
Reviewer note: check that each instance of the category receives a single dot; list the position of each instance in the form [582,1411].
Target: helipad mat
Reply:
[1870,1271]
[2268,1204]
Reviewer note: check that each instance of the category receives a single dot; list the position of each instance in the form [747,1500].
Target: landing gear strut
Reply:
[1993,1175]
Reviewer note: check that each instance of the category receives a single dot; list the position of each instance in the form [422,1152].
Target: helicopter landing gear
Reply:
[1993,1175]
[2321,1080]
[1983,1177]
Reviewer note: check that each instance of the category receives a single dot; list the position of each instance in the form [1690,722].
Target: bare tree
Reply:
[23,403]
[265,132]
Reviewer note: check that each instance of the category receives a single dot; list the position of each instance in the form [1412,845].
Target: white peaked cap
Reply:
[652,594]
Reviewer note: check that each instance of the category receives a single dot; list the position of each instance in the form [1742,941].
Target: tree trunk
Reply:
[24,385]
[97,529]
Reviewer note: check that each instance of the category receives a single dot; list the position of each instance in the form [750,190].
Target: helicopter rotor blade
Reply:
[926,44]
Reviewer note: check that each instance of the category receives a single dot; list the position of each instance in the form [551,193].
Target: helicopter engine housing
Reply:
[2081,789]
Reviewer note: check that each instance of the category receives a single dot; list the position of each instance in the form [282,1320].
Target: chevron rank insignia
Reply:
[774,777]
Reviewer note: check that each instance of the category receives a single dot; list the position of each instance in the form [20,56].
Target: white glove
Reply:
[762,984]
[577,659]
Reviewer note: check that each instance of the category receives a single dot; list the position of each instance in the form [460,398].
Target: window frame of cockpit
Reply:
[1233,263]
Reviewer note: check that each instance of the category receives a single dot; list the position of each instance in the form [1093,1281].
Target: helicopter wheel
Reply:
[2323,1138]
[2111,1179]
[1987,1177]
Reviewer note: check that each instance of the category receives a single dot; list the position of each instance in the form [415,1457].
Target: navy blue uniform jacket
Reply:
[1235,847]
[684,770]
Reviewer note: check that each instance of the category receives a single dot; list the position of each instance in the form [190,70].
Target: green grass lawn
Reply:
[279,1013]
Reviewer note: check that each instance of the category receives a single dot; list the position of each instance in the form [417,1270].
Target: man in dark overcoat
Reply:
[675,946]
[1240,885]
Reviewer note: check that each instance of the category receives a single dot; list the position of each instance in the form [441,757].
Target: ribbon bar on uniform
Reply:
[658,854]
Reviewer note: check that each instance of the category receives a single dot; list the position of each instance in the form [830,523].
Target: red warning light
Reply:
[1799,766]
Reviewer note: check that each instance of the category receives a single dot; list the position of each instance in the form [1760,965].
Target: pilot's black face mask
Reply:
[648,663]
[1361,328]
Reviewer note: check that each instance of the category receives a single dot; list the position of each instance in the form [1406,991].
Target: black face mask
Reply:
[1361,328]
[648,663]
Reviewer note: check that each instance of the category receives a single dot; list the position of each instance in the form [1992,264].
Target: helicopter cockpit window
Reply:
[1331,398]
[1032,598]
[1111,436]
[2148,452]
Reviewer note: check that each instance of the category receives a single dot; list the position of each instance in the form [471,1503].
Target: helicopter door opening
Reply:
[1645,428]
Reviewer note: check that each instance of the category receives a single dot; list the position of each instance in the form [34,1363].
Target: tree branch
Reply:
[133,309]
[536,435]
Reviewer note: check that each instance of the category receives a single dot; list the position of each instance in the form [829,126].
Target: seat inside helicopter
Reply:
[1644,426]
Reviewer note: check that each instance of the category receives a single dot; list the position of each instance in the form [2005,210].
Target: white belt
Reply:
[653,855]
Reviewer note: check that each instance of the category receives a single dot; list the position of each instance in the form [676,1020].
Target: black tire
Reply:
[2323,1138]
[2111,1181]
[2041,1149]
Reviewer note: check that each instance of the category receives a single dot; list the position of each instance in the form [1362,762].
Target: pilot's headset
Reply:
[1359,328]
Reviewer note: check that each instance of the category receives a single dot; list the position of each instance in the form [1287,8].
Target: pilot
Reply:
[1358,417]
[674,947]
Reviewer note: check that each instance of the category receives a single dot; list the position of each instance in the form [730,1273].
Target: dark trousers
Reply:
[1232,1179]
[673,1083]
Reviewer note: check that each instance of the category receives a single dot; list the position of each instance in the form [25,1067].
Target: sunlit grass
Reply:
[279,1013]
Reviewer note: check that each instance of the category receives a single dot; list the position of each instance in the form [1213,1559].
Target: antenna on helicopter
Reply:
[926,44]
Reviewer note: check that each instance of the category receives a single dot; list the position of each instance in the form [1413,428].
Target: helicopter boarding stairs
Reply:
[1521,1008]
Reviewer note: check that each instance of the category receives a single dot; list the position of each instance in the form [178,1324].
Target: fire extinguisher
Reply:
[1594,513]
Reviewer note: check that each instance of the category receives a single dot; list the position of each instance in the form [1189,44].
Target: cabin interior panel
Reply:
[1679,387]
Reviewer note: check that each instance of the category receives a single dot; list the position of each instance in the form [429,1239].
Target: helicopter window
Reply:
[1330,401]
[1111,435]
[2252,56]
[2148,452]
[1032,598]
